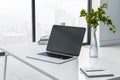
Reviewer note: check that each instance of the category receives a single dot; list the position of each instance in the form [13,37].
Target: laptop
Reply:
[64,45]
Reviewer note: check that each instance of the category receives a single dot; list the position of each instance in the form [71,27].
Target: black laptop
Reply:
[64,44]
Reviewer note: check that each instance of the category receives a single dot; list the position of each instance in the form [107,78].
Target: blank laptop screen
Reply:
[66,40]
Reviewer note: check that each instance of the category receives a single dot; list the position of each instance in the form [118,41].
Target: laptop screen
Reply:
[66,40]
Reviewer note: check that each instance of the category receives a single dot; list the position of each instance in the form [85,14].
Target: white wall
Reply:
[107,37]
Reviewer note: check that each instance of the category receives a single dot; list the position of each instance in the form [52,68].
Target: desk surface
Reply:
[108,58]
[67,71]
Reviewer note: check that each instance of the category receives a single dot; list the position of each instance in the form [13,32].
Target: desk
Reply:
[108,58]
[67,71]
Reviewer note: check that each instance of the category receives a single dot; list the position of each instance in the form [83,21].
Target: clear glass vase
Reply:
[93,52]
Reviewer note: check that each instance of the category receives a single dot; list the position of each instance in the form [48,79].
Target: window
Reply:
[50,12]
[15,21]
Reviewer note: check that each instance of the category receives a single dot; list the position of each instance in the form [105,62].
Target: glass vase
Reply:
[93,52]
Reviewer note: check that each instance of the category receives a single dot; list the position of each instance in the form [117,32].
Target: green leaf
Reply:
[104,5]
[104,19]
[83,13]
[94,17]
[109,22]
[112,28]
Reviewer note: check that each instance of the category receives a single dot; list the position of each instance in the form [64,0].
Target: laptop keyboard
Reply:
[54,55]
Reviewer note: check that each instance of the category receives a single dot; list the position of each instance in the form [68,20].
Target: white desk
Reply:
[67,71]
[109,58]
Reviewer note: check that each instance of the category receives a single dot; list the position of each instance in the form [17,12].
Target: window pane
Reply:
[50,12]
[15,21]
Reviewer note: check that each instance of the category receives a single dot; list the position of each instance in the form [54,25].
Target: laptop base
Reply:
[49,54]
